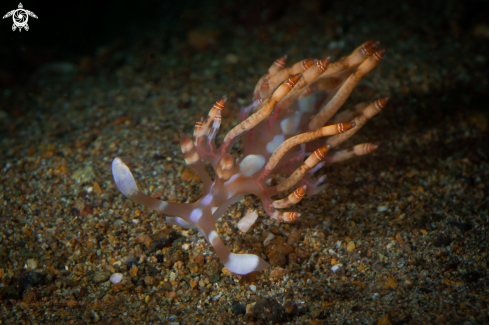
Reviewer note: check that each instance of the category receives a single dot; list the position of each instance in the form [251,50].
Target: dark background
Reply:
[67,31]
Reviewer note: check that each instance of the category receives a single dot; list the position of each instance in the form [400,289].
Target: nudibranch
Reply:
[282,132]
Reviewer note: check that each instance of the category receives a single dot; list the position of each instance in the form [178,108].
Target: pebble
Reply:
[386,320]
[31,264]
[278,246]
[391,283]
[291,308]
[30,295]
[335,268]
[84,175]
[294,237]
[247,221]
[270,310]
[278,260]
[100,277]
[134,271]
[278,273]
[149,280]
[30,278]
[144,239]
[382,208]
[131,261]
[231,58]
[116,278]
[136,304]
[268,239]
[442,241]
[351,246]
[157,244]
[238,309]
[199,259]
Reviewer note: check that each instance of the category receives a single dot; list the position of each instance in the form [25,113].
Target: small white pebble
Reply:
[31,264]
[185,246]
[382,208]
[336,268]
[253,288]
[116,278]
[231,58]
[269,238]
[247,221]
[135,221]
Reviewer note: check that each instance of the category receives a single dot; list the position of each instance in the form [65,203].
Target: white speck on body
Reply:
[195,215]
[275,143]
[207,199]
[289,125]
[231,179]
[212,236]
[251,164]
[162,206]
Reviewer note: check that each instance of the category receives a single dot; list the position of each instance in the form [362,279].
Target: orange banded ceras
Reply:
[282,131]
